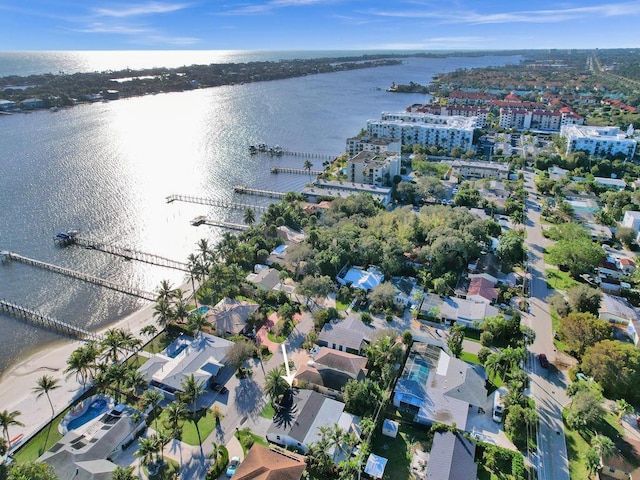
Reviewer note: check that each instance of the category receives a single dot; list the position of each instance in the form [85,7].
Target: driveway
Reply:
[481,426]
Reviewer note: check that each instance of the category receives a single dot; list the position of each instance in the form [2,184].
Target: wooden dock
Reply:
[299,171]
[258,191]
[214,202]
[47,322]
[203,220]
[127,253]
[324,156]
[80,276]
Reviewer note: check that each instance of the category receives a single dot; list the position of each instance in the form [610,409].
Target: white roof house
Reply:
[357,277]
[202,357]
[618,310]
[466,312]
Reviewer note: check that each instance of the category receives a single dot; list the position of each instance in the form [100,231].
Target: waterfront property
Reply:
[229,316]
[373,168]
[438,388]
[203,357]
[366,143]
[85,454]
[85,411]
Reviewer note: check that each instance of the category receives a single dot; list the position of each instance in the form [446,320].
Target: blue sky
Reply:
[316,24]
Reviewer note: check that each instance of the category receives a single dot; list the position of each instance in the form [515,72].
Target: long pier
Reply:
[300,171]
[325,156]
[258,191]
[45,321]
[203,220]
[214,202]
[127,253]
[80,276]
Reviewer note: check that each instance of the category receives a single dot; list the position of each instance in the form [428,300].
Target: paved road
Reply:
[548,385]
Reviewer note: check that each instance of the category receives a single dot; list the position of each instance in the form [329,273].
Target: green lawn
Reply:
[268,411]
[470,357]
[167,472]
[398,451]
[206,423]
[560,280]
[578,443]
[43,441]
[161,341]
[247,438]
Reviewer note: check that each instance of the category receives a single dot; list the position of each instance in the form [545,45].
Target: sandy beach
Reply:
[17,384]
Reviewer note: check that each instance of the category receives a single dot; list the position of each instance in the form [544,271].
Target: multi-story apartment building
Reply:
[458,97]
[463,111]
[373,168]
[365,143]
[601,141]
[534,119]
[425,129]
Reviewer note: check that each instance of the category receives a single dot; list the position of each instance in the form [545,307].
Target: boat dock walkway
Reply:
[79,276]
[203,220]
[301,171]
[325,156]
[258,191]
[214,202]
[127,253]
[47,322]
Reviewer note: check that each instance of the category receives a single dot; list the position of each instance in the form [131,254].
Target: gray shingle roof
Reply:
[451,458]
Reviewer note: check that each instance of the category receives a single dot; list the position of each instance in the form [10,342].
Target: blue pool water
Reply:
[419,371]
[203,309]
[97,407]
[177,351]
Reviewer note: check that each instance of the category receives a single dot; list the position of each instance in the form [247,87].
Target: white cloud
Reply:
[525,16]
[257,8]
[114,29]
[140,9]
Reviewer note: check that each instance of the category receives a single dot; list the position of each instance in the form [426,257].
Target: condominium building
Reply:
[534,119]
[601,141]
[425,129]
[373,168]
[479,112]
[470,169]
[366,143]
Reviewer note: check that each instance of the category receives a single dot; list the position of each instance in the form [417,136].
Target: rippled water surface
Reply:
[106,168]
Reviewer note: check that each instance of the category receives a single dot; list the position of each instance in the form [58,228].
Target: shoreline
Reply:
[17,382]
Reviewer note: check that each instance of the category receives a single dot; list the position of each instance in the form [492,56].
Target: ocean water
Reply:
[106,169]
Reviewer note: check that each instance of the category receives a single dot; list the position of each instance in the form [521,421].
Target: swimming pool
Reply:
[85,412]
[177,351]
[418,370]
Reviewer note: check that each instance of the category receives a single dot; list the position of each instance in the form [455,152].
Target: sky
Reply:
[317,24]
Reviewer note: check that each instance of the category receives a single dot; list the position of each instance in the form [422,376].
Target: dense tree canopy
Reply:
[582,330]
[616,366]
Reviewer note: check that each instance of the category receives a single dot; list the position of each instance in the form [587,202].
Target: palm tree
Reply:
[163,313]
[217,412]
[623,407]
[117,341]
[205,252]
[149,330]
[165,291]
[181,310]
[194,267]
[249,216]
[124,473]
[191,390]
[176,411]
[9,419]
[307,166]
[134,380]
[147,448]
[44,385]
[603,445]
[275,385]
[151,398]
[196,322]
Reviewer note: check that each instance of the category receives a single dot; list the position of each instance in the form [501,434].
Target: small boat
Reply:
[16,440]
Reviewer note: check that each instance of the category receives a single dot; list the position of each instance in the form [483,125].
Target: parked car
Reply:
[233,466]
[544,362]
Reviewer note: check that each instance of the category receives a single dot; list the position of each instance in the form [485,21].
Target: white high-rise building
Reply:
[601,141]
[413,128]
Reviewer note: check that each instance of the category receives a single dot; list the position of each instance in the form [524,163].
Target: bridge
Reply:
[214,202]
[47,322]
[79,276]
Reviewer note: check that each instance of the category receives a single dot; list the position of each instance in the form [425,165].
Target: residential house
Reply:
[608,268]
[203,357]
[626,265]
[408,294]
[482,289]
[612,183]
[469,313]
[631,219]
[358,277]
[303,412]
[6,105]
[262,463]
[452,458]
[332,369]
[436,387]
[431,305]
[289,234]
[32,103]
[349,335]
[230,316]
[264,278]
[84,454]
[619,311]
